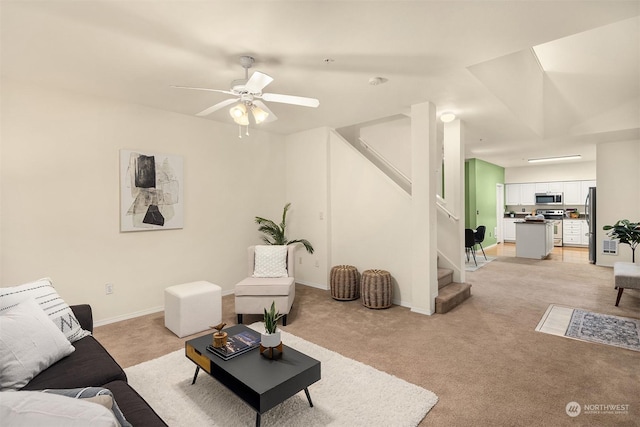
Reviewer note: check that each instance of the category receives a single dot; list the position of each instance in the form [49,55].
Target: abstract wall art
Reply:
[151,191]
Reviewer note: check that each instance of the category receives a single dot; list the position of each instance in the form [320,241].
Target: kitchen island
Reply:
[534,239]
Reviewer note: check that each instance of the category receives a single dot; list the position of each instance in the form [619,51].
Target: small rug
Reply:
[587,326]
[471,266]
[605,329]
[349,394]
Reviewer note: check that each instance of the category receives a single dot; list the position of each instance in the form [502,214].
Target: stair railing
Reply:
[440,203]
[382,159]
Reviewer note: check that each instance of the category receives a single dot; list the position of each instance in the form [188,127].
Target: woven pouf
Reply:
[345,283]
[376,289]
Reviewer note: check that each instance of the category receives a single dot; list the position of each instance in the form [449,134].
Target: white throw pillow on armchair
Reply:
[270,261]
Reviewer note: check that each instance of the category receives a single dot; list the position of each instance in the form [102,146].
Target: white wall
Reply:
[392,140]
[307,190]
[370,218]
[60,198]
[617,194]
[581,171]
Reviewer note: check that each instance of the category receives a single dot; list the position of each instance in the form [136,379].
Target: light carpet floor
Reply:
[350,393]
[623,332]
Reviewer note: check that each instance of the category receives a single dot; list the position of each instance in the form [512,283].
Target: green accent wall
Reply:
[480,196]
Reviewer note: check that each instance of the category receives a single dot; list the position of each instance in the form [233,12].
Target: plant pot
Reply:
[219,339]
[270,340]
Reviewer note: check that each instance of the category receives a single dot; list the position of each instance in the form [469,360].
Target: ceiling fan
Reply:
[247,94]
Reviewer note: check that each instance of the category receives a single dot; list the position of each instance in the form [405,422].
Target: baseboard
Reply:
[128,316]
[421,311]
[313,285]
[140,313]
[490,246]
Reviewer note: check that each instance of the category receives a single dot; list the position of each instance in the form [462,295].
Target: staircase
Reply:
[450,293]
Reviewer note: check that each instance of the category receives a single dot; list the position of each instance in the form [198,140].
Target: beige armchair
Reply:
[255,293]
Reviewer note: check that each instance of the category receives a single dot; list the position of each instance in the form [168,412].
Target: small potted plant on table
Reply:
[270,339]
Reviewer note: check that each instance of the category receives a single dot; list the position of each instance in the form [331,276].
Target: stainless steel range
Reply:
[555,216]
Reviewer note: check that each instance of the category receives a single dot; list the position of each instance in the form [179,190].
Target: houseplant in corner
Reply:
[270,339]
[274,234]
[627,232]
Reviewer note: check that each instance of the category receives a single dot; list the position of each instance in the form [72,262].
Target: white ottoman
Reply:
[192,307]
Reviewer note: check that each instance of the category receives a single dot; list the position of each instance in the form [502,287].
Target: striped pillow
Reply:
[53,305]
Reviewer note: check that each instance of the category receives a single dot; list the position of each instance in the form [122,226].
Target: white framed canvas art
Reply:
[151,191]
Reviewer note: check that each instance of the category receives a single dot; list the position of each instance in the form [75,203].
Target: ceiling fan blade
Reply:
[216,107]
[202,88]
[272,117]
[290,99]
[257,82]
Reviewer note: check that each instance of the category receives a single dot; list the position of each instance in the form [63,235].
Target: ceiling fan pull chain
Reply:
[240,131]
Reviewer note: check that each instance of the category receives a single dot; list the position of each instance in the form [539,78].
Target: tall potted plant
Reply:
[274,234]
[627,232]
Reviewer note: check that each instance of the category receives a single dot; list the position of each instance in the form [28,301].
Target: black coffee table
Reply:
[260,382]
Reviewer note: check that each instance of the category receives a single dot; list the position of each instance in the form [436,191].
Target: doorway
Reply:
[499,212]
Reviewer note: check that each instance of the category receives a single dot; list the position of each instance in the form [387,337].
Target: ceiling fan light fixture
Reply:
[259,114]
[239,114]
[237,111]
[447,117]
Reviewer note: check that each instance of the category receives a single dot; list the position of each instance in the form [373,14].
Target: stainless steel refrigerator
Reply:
[590,215]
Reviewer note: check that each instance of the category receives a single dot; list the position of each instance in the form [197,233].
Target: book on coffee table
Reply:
[237,344]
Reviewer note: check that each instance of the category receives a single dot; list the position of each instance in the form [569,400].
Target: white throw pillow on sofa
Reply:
[54,306]
[270,261]
[29,344]
[33,408]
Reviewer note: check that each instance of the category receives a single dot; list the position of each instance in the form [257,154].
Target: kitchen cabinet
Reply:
[572,193]
[572,232]
[584,238]
[512,194]
[550,187]
[509,229]
[584,189]
[528,194]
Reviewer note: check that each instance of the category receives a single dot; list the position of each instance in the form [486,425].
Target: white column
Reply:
[454,195]
[424,167]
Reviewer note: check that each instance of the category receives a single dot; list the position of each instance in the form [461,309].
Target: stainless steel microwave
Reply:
[548,198]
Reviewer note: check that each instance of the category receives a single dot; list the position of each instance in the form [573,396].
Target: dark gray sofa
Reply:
[91,365]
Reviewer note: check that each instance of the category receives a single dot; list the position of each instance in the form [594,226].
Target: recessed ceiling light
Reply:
[555,159]
[447,117]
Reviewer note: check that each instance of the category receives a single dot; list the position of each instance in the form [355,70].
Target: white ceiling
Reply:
[470,57]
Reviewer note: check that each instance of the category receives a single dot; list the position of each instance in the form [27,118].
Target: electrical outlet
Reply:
[300,260]
[108,288]
[317,263]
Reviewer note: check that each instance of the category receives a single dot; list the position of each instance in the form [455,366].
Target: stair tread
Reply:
[442,272]
[451,291]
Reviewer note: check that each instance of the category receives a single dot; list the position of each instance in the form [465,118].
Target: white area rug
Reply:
[349,394]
